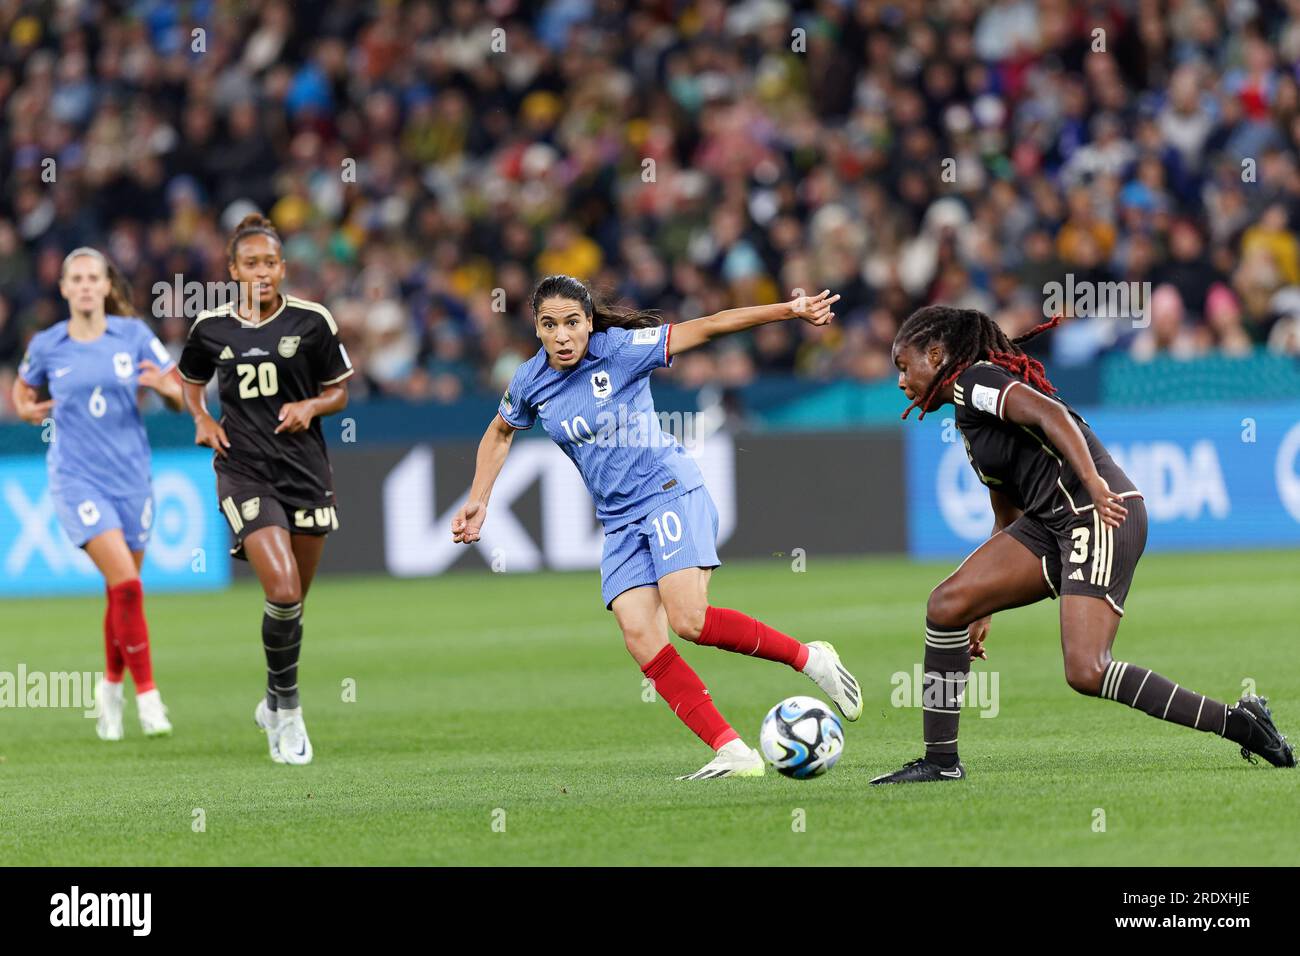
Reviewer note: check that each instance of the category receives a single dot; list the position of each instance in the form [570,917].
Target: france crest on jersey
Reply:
[99,438]
[602,415]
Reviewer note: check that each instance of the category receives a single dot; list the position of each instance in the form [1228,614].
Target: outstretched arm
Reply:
[492,451]
[816,310]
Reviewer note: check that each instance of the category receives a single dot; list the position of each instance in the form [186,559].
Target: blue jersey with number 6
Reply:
[601,413]
[98,436]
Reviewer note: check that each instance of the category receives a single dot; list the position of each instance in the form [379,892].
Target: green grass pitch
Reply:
[484,699]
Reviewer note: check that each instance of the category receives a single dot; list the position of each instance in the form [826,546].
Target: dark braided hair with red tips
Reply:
[970,336]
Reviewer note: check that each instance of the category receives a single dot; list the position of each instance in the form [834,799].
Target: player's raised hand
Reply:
[977,632]
[208,432]
[294,417]
[815,309]
[1109,505]
[467,524]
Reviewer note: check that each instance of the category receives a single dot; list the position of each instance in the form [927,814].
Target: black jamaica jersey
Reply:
[288,357]
[1018,460]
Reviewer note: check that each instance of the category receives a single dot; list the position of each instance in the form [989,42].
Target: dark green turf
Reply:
[479,694]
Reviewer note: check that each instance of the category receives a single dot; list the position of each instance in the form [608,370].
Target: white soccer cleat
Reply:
[152,713]
[109,704]
[269,721]
[826,671]
[295,748]
[733,759]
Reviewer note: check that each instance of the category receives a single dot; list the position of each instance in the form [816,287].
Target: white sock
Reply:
[736,746]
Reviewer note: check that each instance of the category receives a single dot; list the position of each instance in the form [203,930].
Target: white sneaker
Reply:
[826,671]
[733,759]
[269,721]
[109,704]
[295,748]
[152,713]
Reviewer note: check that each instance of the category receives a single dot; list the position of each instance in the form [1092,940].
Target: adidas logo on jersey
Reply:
[1077,575]
[226,353]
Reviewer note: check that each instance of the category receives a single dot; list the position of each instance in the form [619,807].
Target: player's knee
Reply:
[283,591]
[949,606]
[1084,675]
[687,621]
[119,576]
[643,644]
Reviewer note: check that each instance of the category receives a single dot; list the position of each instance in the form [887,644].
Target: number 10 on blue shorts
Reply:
[680,533]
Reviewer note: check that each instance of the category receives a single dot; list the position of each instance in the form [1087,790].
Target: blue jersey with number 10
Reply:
[98,437]
[601,414]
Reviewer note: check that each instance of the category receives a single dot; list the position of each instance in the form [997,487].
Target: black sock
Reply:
[947,665]
[272,701]
[282,641]
[1149,692]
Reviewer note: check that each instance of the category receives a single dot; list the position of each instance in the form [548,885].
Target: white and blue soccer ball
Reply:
[801,737]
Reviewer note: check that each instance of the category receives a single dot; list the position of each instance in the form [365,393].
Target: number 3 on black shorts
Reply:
[1080,537]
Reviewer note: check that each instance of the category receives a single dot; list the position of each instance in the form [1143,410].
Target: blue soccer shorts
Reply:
[682,533]
[85,513]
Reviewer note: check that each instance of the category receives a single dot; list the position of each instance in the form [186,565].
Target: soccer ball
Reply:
[801,737]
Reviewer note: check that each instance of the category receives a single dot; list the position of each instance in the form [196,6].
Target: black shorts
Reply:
[250,505]
[1080,555]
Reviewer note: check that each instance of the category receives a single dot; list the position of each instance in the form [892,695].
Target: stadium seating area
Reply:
[415,161]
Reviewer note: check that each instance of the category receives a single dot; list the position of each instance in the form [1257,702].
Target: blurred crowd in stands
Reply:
[427,162]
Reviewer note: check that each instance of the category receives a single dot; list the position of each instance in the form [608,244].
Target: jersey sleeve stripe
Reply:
[193,381]
[518,428]
[1002,401]
[334,381]
[668,356]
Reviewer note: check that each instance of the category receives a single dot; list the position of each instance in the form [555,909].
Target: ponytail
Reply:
[120,299]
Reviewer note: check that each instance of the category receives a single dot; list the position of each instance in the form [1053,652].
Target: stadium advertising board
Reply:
[826,494]
[188,550]
[1212,478]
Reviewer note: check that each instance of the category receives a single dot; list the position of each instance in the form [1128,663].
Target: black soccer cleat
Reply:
[1265,739]
[922,770]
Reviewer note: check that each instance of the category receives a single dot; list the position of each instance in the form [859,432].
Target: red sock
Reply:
[683,691]
[126,608]
[734,631]
[113,660]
